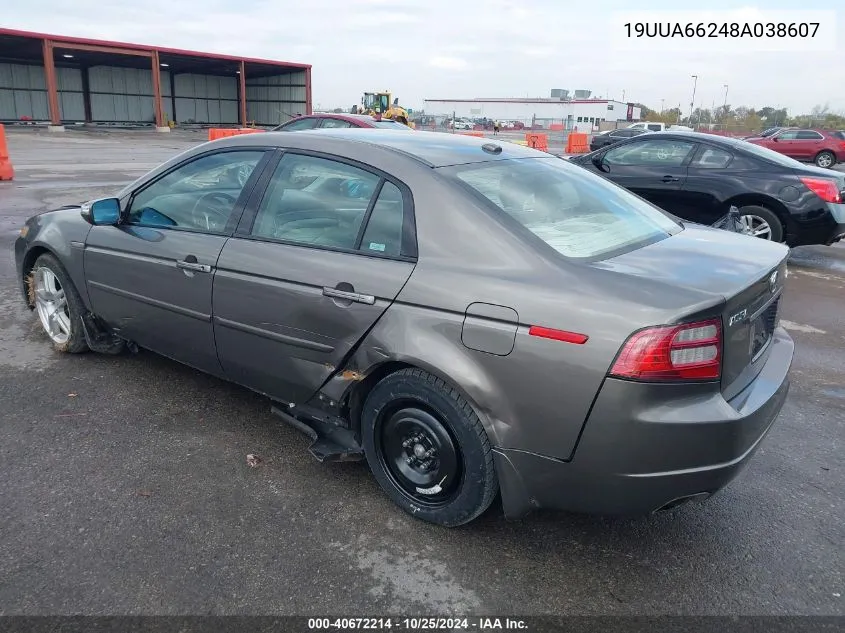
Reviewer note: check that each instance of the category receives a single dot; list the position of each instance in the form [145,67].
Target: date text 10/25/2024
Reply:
[418,624]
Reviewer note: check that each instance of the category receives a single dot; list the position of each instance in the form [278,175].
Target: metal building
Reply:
[585,114]
[57,79]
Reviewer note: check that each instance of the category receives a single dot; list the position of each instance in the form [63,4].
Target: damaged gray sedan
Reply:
[474,319]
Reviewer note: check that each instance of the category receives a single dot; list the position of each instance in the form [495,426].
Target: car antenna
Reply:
[492,148]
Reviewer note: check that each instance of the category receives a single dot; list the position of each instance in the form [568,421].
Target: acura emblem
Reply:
[773,281]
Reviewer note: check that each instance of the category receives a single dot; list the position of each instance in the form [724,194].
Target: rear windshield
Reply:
[577,213]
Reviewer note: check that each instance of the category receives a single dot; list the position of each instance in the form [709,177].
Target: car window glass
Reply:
[840,135]
[665,152]
[198,195]
[384,228]
[789,135]
[315,201]
[305,123]
[579,214]
[335,123]
[654,128]
[809,135]
[712,158]
[391,125]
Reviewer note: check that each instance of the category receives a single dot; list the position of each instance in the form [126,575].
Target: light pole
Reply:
[692,101]
[623,95]
[661,106]
[725,105]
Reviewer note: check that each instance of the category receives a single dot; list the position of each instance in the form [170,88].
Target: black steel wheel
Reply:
[428,449]
[419,455]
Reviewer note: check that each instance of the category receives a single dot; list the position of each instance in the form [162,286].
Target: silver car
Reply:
[472,318]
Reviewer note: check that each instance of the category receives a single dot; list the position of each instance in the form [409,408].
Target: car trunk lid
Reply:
[744,276]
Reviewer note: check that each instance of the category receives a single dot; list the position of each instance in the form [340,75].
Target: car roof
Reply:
[435,149]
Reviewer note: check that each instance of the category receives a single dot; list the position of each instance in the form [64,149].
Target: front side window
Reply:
[579,214]
[199,195]
[789,135]
[664,153]
[315,201]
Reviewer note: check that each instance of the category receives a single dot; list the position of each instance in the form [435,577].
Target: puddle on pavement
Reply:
[22,345]
[408,577]
[836,392]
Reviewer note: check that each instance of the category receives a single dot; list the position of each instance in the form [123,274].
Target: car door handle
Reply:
[670,179]
[357,297]
[194,266]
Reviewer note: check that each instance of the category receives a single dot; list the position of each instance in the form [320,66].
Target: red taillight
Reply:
[824,188]
[558,335]
[692,351]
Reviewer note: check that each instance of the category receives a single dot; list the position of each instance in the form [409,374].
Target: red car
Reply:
[825,148]
[316,121]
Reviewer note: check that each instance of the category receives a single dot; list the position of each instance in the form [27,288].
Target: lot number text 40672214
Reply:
[418,624]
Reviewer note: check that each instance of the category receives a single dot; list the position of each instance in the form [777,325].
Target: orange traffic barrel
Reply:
[537,141]
[577,143]
[7,172]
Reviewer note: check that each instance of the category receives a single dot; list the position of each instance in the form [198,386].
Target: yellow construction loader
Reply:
[380,104]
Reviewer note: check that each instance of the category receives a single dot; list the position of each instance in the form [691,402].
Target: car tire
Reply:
[406,416]
[825,159]
[57,304]
[753,217]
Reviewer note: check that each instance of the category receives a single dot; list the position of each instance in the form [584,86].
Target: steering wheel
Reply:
[215,211]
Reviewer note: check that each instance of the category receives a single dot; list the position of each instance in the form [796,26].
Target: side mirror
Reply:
[102,212]
[598,161]
[775,139]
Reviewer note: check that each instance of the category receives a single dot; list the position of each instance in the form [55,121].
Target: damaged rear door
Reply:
[321,252]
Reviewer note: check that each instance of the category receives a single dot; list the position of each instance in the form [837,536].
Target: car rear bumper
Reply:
[838,232]
[637,455]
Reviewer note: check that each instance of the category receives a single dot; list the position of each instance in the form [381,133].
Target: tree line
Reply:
[745,119]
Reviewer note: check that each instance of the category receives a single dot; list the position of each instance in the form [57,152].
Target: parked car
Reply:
[613,136]
[472,318]
[322,121]
[822,147]
[647,126]
[459,124]
[767,132]
[698,177]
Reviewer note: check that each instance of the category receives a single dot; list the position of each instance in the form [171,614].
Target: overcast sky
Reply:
[469,48]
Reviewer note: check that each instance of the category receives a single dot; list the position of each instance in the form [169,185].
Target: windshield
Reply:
[579,214]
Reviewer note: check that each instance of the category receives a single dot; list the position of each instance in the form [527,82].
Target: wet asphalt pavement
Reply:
[124,486]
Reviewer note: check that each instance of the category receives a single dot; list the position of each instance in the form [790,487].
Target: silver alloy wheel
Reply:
[824,160]
[51,305]
[756,226]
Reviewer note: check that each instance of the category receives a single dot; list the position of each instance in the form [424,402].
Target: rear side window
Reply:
[712,158]
[654,128]
[579,214]
[305,123]
[335,123]
[840,135]
[809,135]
